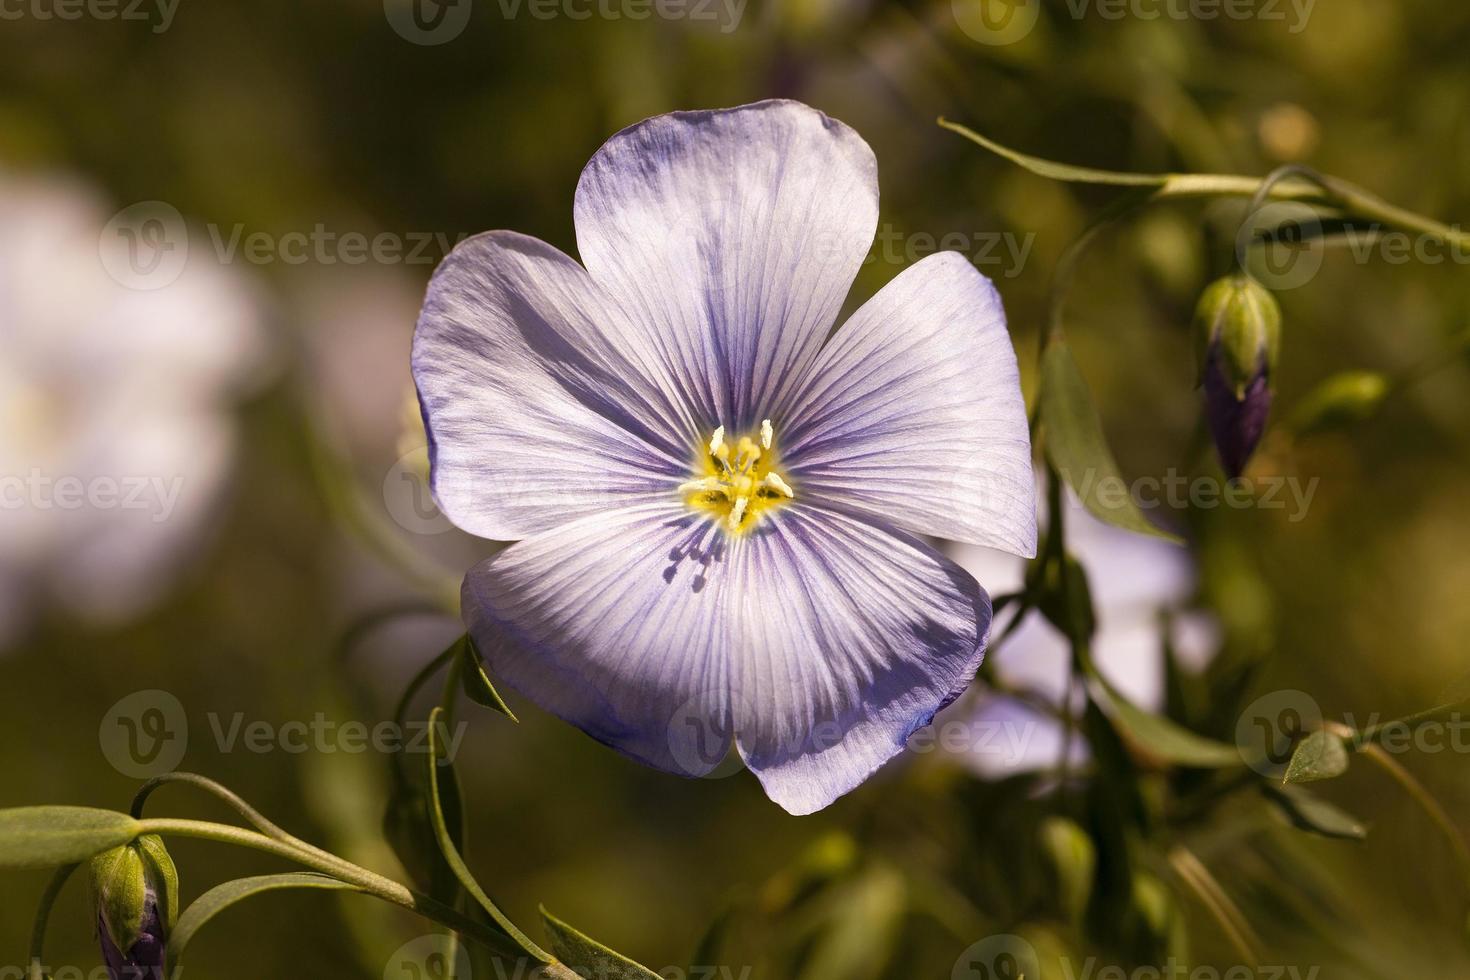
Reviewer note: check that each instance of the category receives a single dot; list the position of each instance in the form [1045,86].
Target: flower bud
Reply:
[135,891]
[1238,334]
[1341,400]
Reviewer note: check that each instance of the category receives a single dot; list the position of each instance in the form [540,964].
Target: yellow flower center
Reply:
[737,482]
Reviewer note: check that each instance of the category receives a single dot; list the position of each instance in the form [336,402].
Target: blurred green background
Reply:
[278,116]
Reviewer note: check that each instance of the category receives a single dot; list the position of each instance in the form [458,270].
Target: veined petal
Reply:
[538,412]
[913,413]
[734,235]
[819,641]
[850,638]
[617,624]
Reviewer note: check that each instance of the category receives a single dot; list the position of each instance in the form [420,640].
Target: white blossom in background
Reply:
[116,394]
[1139,584]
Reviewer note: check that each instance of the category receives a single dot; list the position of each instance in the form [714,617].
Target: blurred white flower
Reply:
[1139,585]
[115,431]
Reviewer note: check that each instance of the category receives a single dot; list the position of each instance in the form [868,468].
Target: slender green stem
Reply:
[1432,807]
[34,965]
[1375,732]
[419,680]
[1318,190]
[1231,920]
[374,884]
[245,810]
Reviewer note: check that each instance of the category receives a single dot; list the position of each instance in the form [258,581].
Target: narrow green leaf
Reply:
[221,897]
[1058,171]
[1161,737]
[1314,815]
[47,836]
[1321,755]
[589,957]
[451,852]
[477,686]
[1077,448]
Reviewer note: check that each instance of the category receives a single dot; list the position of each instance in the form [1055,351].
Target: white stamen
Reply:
[709,484]
[766,434]
[716,441]
[775,482]
[738,511]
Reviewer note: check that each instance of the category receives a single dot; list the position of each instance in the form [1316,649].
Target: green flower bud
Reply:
[135,890]
[1238,325]
[1073,859]
[1343,399]
[1238,332]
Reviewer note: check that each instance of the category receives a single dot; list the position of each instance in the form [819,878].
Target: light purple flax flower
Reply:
[719,509]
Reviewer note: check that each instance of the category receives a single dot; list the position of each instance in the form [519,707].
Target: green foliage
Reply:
[1077,447]
[47,836]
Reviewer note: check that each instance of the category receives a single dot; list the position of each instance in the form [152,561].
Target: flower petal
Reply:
[851,637]
[914,414]
[617,624]
[736,235]
[536,414]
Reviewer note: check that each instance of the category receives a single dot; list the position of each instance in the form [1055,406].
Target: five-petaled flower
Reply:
[719,510]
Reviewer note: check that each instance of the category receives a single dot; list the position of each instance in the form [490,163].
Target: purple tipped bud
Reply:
[1238,326]
[1237,423]
[135,890]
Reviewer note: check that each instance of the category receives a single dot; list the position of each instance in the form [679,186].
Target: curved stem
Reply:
[1432,807]
[34,968]
[220,791]
[374,884]
[1230,919]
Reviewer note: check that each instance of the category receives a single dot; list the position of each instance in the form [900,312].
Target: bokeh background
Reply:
[307,512]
